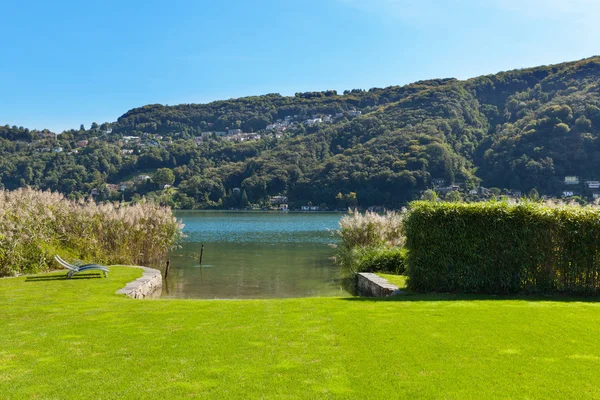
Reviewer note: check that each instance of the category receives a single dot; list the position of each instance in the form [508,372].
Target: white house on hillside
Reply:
[571,180]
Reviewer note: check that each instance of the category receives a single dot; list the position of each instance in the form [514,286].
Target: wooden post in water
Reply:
[167,269]
[201,254]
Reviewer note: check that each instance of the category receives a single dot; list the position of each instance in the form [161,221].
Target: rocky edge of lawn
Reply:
[148,286]
[371,285]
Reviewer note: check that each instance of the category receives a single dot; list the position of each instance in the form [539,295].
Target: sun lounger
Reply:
[75,269]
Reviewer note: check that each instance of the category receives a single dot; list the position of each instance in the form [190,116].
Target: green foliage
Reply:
[429,195]
[163,176]
[379,259]
[35,226]
[498,247]
[454,197]
[522,130]
[370,242]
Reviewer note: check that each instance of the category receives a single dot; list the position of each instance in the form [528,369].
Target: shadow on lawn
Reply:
[42,278]
[413,297]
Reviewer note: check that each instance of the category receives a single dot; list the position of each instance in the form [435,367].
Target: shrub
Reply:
[34,226]
[371,229]
[370,242]
[498,247]
[379,259]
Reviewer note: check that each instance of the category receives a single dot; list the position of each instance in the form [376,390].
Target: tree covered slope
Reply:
[520,130]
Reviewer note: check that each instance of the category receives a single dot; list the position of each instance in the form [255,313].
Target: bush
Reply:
[379,259]
[34,226]
[370,242]
[497,247]
[371,229]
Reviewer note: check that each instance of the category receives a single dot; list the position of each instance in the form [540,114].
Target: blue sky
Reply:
[70,62]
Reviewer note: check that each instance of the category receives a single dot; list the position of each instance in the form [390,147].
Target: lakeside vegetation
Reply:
[370,242]
[499,247]
[513,131]
[495,247]
[35,226]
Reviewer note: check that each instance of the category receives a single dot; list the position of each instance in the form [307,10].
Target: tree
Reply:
[244,199]
[454,197]
[352,199]
[163,176]
[534,195]
[429,195]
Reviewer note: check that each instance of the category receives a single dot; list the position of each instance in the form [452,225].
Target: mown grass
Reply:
[398,280]
[67,339]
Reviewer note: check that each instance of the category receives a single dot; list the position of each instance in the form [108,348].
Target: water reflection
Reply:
[254,255]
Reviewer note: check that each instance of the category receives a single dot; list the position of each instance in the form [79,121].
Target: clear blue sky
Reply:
[70,62]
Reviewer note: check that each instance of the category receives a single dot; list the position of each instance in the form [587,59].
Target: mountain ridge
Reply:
[518,130]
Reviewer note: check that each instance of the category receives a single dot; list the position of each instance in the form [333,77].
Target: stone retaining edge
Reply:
[372,285]
[145,287]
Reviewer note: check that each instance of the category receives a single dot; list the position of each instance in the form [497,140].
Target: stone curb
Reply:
[148,286]
[371,285]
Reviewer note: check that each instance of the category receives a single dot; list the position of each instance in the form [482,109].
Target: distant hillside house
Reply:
[481,191]
[278,199]
[438,182]
[123,186]
[57,149]
[568,193]
[234,131]
[112,187]
[593,184]
[82,143]
[571,180]
[143,178]
[447,189]
[313,121]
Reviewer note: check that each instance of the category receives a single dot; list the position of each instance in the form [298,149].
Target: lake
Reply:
[254,255]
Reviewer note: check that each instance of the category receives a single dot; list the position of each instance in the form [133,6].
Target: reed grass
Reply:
[36,225]
[369,242]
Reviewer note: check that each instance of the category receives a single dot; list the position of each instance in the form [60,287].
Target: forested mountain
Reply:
[520,130]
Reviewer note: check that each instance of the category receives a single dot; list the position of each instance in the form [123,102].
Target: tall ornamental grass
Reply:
[497,247]
[35,225]
[370,242]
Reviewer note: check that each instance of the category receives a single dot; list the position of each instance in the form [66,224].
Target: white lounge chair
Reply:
[75,269]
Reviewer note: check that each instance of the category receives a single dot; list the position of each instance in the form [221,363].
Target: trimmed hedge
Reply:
[498,247]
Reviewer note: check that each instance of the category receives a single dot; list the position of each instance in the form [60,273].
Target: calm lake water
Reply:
[253,255]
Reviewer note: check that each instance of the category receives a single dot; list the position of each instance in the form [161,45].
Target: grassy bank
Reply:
[76,339]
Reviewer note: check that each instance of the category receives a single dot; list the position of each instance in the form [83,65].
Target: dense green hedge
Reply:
[502,248]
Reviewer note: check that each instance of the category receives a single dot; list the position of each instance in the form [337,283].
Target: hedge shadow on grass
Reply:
[474,297]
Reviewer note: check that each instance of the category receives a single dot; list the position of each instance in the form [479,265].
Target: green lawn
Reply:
[76,339]
[398,280]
